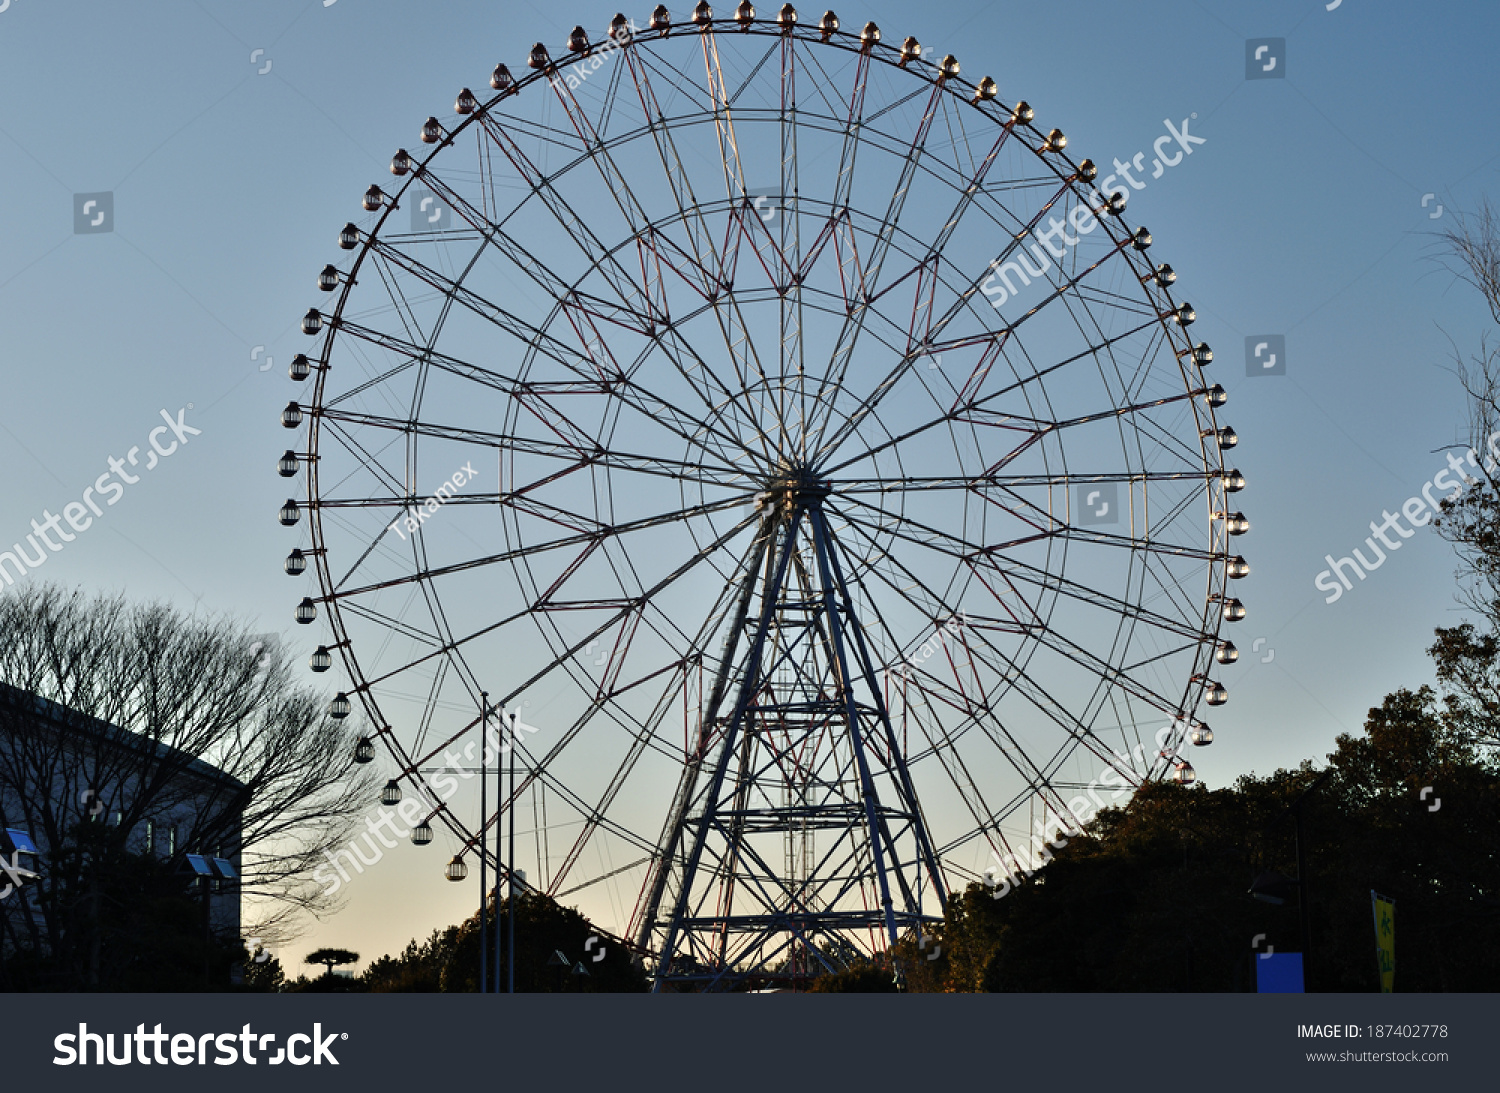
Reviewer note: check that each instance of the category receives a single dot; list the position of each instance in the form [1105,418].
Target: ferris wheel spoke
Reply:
[901,483]
[718,93]
[973,187]
[660,410]
[410,324]
[589,540]
[988,818]
[700,237]
[638,602]
[1038,374]
[1013,569]
[838,217]
[377,385]
[1138,410]
[382,619]
[525,333]
[968,190]
[642,737]
[369,460]
[942,746]
[455,644]
[741,350]
[1077,284]
[616,182]
[975,708]
[523,391]
[572,452]
[791,350]
[966,408]
[930,342]
[596,150]
[582,314]
[1128,613]
[732,324]
[590,246]
[884,233]
[645,731]
[1014,674]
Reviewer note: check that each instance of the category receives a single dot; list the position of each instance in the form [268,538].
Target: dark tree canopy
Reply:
[332,958]
[1154,897]
[449,960]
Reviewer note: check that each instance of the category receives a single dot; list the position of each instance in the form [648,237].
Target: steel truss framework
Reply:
[799,753]
[672,398]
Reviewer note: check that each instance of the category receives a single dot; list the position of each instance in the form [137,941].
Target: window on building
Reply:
[150,836]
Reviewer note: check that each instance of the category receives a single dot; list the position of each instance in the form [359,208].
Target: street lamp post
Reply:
[559,961]
[484,875]
[510,867]
[500,796]
[13,875]
[1304,897]
[196,868]
[1273,887]
[458,870]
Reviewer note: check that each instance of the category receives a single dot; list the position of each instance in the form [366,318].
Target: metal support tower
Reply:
[795,844]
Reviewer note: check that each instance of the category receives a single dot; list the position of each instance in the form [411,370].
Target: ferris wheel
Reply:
[721,396]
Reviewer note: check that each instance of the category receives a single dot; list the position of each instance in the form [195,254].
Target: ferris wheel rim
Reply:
[389,737]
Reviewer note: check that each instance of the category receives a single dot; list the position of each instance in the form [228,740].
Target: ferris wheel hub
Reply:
[794,487]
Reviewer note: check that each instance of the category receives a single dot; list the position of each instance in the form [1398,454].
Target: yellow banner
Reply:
[1385,939]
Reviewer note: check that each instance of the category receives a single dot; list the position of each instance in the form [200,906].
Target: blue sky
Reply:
[1302,214]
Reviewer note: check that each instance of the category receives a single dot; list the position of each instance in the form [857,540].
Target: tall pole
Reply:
[484,876]
[1304,908]
[499,797]
[208,927]
[1303,911]
[510,867]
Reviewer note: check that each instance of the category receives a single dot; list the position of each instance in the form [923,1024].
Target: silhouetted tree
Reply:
[331,958]
[865,979]
[1153,896]
[449,959]
[1468,655]
[106,710]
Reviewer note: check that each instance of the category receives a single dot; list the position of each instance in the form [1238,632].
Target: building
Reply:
[61,770]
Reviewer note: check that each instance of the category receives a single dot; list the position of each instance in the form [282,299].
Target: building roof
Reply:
[114,736]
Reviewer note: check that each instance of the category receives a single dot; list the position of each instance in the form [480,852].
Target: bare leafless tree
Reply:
[1468,655]
[115,714]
